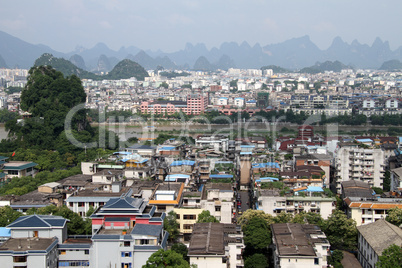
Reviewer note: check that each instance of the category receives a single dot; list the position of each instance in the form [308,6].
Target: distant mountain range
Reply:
[293,54]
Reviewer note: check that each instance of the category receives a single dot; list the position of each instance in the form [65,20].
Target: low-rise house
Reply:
[216,245]
[19,169]
[374,238]
[167,196]
[368,210]
[297,245]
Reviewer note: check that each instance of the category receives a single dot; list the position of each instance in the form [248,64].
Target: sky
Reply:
[168,25]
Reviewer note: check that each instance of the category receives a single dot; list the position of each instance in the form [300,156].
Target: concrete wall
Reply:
[208,262]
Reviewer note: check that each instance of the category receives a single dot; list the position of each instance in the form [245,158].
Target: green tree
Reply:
[206,216]
[171,225]
[391,257]
[181,249]
[48,96]
[249,214]
[394,216]
[8,215]
[257,260]
[164,85]
[168,258]
[308,218]
[257,235]
[336,258]
[90,211]
[340,231]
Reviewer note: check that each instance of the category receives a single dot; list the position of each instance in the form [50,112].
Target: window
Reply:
[126,254]
[189,217]
[126,265]
[20,258]
[12,172]
[62,252]
[81,204]
[127,243]
[217,208]
[35,233]
[316,261]
[87,252]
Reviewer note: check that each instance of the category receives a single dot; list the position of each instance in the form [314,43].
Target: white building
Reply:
[396,179]
[354,163]
[374,238]
[297,245]
[216,245]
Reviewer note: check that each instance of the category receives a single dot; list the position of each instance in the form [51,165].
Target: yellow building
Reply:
[186,217]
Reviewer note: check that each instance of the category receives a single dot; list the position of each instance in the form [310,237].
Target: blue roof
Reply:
[314,189]
[124,153]
[364,140]
[174,177]
[147,229]
[263,179]
[182,163]
[242,153]
[247,146]
[400,139]
[167,148]
[38,221]
[5,232]
[220,176]
[223,98]
[123,203]
[223,162]
[252,101]
[264,165]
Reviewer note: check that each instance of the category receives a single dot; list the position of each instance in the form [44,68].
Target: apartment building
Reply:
[354,163]
[368,210]
[297,245]
[373,239]
[195,104]
[216,245]
[272,203]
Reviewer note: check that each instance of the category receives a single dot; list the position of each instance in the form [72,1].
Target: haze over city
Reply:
[169,25]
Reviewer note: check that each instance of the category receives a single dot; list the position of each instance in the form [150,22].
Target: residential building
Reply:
[216,245]
[217,142]
[374,238]
[272,203]
[396,180]
[19,169]
[297,245]
[353,163]
[368,210]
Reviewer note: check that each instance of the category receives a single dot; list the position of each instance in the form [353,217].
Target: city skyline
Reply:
[168,26]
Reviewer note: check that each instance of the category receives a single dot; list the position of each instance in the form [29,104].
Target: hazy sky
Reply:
[169,24]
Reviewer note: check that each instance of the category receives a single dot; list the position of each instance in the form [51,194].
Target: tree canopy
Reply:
[206,216]
[48,97]
[340,231]
[391,257]
[171,226]
[168,258]
[394,216]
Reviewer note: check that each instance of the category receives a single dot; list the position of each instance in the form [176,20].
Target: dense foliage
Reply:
[8,215]
[391,257]
[24,185]
[206,216]
[64,66]
[340,231]
[127,69]
[166,258]
[395,216]
[171,226]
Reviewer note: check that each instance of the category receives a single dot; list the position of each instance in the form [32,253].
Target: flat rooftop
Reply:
[27,244]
